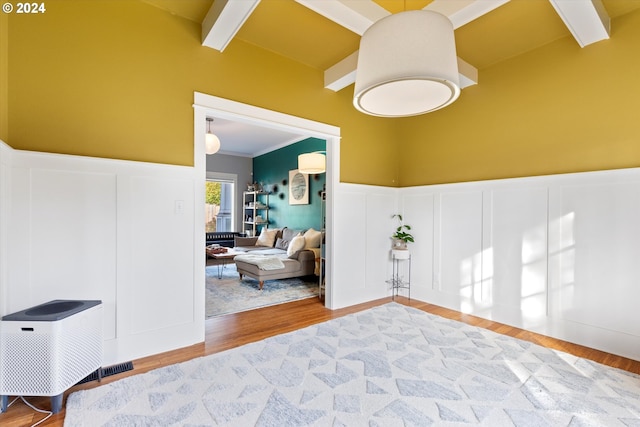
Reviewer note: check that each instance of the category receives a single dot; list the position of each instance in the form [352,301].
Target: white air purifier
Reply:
[47,349]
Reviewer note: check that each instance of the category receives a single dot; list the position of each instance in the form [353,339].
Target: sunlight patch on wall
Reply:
[476,282]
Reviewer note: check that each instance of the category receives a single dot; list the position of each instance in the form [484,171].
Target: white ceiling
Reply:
[250,140]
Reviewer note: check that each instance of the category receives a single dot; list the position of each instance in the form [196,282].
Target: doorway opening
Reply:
[210,106]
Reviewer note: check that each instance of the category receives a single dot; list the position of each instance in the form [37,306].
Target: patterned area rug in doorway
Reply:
[232,295]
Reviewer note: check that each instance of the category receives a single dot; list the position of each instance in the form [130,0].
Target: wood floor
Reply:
[234,330]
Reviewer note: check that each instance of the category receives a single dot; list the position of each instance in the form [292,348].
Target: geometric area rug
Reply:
[391,365]
[232,295]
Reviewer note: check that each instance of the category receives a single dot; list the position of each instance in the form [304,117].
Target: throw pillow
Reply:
[312,238]
[288,234]
[267,237]
[284,238]
[281,244]
[295,246]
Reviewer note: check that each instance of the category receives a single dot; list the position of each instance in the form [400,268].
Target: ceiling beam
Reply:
[224,19]
[461,12]
[354,15]
[342,74]
[587,20]
[467,74]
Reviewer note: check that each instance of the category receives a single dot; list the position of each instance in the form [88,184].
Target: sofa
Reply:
[298,256]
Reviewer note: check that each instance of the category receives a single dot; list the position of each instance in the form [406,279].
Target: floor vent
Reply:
[107,372]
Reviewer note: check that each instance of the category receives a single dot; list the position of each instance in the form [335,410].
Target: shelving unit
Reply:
[398,258]
[255,211]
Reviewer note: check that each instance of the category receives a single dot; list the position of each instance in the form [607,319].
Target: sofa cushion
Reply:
[312,238]
[267,237]
[296,245]
[287,235]
[281,244]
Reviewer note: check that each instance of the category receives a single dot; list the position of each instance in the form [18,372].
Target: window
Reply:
[219,205]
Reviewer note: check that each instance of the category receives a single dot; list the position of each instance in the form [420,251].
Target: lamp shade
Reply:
[311,163]
[211,143]
[407,65]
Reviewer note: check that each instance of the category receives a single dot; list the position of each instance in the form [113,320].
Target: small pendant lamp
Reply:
[211,141]
[312,163]
[407,65]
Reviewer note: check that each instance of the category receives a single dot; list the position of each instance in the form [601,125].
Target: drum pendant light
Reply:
[407,65]
[311,163]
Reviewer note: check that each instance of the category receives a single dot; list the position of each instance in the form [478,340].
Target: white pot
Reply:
[400,253]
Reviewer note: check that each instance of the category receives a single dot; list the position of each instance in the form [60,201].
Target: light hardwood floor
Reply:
[234,330]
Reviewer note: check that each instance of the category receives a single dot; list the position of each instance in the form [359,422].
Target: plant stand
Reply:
[397,281]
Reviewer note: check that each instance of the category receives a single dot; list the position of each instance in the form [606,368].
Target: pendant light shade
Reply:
[211,141]
[407,65]
[311,163]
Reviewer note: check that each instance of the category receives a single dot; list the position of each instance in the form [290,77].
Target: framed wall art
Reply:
[298,188]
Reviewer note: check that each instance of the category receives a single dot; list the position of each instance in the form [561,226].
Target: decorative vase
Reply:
[398,244]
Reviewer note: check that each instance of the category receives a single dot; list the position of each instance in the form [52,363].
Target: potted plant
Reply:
[401,236]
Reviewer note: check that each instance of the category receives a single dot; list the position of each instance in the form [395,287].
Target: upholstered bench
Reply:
[294,248]
[303,265]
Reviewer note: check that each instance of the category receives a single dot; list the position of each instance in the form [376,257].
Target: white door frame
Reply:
[231,110]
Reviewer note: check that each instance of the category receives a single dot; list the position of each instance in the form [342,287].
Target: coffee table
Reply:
[223,257]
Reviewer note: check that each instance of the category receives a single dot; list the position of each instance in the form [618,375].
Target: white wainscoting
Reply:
[361,224]
[557,254]
[6,153]
[118,231]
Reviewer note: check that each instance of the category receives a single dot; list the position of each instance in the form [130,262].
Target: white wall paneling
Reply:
[556,255]
[458,250]
[417,211]
[362,231]
[377,268]
[72,238]
[350,254]
[515,255]
[5,204]
[167,205]
[121,232]
[595,241]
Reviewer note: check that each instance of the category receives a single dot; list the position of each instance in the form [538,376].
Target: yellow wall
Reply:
[557,109]
[116,78]
[4,69]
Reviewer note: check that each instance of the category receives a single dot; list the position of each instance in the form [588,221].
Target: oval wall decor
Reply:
[299,188]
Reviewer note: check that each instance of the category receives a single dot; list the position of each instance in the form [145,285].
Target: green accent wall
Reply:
[273,168]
